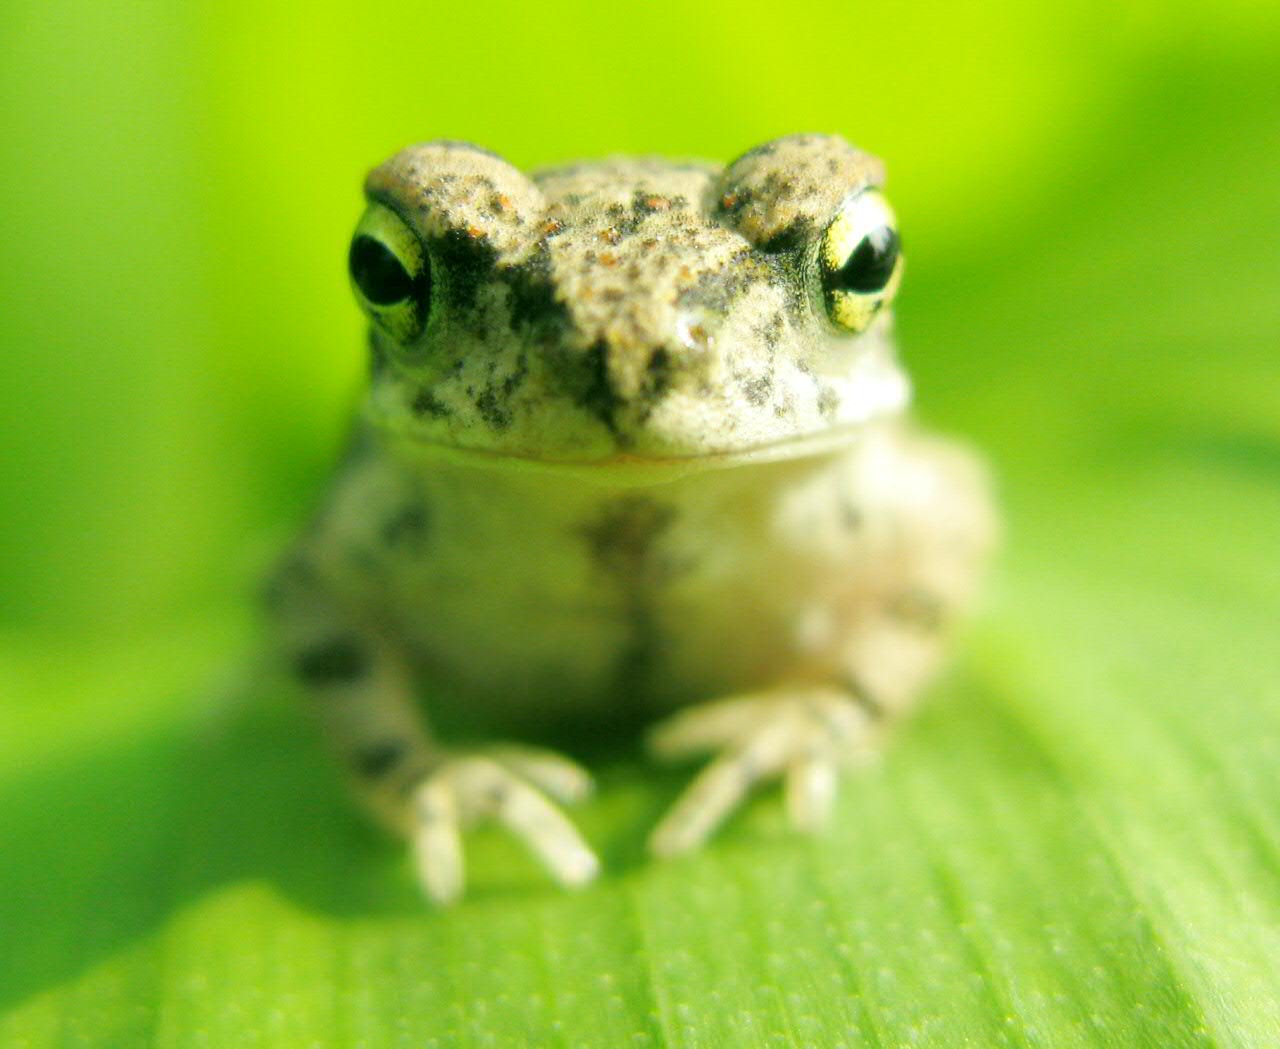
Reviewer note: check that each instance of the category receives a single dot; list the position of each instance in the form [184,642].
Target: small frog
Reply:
[634,449]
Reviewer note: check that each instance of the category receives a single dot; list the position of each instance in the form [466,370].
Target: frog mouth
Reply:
[637,468]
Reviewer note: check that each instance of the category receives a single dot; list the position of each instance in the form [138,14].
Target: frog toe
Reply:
[802,737]
[465,790]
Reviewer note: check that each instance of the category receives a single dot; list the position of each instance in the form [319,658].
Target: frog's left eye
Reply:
[860,261]
[391,273]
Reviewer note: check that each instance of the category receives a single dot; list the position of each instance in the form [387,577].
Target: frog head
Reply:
[629,308]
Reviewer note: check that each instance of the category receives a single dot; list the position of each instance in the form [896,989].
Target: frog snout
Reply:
[619,383]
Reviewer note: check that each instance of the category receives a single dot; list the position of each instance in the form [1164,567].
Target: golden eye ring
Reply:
[390,274]
[859,261]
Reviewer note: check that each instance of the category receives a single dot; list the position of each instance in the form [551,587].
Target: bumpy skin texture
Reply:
[628,466]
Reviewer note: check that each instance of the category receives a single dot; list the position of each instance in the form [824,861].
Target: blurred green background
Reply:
[1076,845]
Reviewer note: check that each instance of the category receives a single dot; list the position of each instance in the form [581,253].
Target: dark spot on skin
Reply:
[533,294]
[791,239]
[335,661]
[827,402]
[622,537]
[407,526]
[626,224]
[493,410]
[659,371]
[779,184]
[773,330]
[425,403]
[659,375]
[594,391]
[757,390]
[623,543]
[717,291]
[375,760]
[516,379]
[466,263]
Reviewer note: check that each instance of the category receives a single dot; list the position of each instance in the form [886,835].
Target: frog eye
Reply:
[391,273]
[859,261]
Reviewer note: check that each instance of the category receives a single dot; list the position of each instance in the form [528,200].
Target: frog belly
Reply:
[545,591]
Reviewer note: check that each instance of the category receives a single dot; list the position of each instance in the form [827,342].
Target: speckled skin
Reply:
[629,465]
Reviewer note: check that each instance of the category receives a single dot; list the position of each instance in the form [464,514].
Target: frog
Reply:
[635,452]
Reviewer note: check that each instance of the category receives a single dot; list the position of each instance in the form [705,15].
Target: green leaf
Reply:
[1076,843]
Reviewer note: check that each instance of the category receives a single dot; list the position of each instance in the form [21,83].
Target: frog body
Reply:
[635,445]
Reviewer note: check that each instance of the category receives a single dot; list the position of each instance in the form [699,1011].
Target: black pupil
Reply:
[870,266]
[378,273]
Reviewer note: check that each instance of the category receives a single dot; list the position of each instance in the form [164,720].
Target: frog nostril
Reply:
[658,373]
[694,329]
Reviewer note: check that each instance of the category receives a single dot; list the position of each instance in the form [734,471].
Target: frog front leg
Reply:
[359,684]
[931,532]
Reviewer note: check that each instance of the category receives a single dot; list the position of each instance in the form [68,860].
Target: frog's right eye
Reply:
[391,273]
